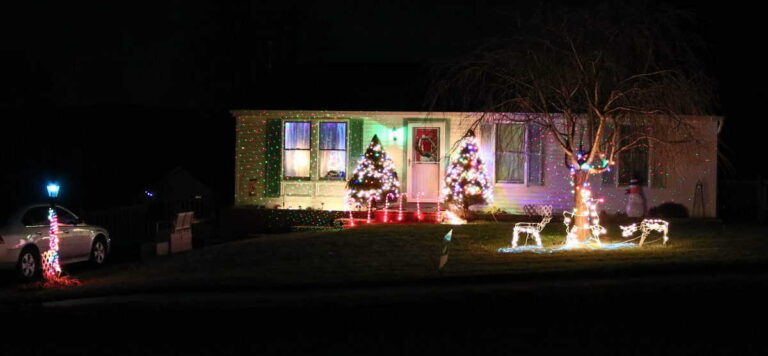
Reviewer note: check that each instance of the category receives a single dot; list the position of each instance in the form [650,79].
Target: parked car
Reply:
[24,237]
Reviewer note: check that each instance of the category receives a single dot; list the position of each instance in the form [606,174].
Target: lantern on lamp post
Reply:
[53,191]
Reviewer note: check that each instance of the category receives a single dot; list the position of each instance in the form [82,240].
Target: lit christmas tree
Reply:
[374,180]
[466,182]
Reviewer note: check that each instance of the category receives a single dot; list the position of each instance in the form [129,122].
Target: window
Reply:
[65,217]
[519,153]
[633,163]
[297,150]
[510,153]
[37,216]
[333,150]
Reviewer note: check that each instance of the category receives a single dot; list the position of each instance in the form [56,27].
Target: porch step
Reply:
[412,206]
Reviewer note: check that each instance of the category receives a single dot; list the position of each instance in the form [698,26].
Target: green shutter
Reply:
[355,144]
[273,158]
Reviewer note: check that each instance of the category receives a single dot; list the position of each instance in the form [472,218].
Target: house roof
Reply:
[334,113]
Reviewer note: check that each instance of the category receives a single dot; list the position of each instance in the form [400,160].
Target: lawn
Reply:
[406,253]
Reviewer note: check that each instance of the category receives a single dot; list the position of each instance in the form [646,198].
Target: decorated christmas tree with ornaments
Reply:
[466,181]
[374,180]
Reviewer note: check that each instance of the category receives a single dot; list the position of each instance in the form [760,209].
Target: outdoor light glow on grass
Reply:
[451,218]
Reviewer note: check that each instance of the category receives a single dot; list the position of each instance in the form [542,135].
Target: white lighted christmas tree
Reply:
[374,180]
[466,182]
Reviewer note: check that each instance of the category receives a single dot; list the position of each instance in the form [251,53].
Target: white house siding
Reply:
[696,164]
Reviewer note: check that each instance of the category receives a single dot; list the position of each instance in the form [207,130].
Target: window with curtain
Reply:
[297,149]
[510,153]
[520,153]
[535,149]
[333,150]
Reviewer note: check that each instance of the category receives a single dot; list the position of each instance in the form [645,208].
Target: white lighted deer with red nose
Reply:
[646,226]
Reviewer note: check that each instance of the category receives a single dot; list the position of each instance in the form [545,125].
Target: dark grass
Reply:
[397,254]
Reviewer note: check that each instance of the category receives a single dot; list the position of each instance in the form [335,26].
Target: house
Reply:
[179,191]
[300,159]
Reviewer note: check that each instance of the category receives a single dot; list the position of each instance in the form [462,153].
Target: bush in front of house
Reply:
[242,221]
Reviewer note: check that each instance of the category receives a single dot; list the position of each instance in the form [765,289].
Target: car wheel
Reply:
[28,266]
[99,252]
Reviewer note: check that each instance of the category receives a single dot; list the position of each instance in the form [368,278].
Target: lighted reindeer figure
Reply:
[646,226]
[533,229]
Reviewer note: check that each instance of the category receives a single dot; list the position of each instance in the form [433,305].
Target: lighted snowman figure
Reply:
[635,200]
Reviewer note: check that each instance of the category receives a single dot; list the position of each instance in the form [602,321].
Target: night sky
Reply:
[106,97]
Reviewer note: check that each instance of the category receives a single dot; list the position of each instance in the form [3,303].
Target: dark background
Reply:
[107,97]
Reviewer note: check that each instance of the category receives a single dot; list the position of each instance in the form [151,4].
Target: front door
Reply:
[425,152]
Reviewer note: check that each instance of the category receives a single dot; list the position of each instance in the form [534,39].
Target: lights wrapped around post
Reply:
[466,182]
[51,267]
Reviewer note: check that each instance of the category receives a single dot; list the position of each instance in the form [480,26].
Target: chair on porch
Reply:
[531,228]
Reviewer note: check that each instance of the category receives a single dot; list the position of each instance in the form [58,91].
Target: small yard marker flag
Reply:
[444,255]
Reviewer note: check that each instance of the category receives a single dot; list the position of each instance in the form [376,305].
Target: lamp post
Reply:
[51,267]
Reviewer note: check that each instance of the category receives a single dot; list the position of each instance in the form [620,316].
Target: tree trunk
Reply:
[581,215]
[466,212]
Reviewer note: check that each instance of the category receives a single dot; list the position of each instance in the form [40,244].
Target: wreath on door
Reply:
[430,153]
